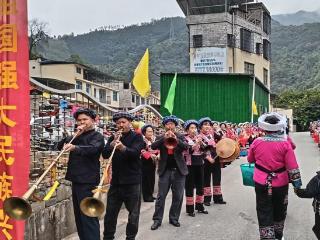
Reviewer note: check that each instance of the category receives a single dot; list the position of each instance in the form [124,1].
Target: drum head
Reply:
[225,148]
[233,156]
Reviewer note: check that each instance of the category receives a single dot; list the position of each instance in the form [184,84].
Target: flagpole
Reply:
[253,93]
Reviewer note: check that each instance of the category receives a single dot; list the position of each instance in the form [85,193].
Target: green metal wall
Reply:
[223,97]
[261,99]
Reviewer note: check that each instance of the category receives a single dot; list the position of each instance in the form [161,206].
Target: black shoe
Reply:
[192,214]
[203,211]
[174,223]
[220,202]
[207,204]
[154,198]
[155,225]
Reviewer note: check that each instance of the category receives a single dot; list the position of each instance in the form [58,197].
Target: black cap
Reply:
[86,111]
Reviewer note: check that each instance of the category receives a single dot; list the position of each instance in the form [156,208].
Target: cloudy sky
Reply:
[78,16]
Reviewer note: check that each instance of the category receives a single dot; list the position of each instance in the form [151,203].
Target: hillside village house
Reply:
[63,75]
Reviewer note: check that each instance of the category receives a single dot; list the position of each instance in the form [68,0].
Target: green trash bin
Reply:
[247,170]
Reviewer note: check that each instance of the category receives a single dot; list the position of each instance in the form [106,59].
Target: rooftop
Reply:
[196,7]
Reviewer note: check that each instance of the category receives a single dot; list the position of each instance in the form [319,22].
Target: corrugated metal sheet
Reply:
[261,99]
[223,97]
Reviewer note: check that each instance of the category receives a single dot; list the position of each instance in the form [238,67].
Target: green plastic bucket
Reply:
[247,170]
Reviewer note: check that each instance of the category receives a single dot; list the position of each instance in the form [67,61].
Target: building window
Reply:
[258,48]
[266,23]
[133,98]
[114,96]
[78,70]
[88,88]
[197,41]
[265,76]
[102,95]
[230,69]
[143,101]
[79,85]
[126,85]
[108,99]
[266,49]
[249,68]
[95,92]
[85,74]
[137,100]
[148,101]
[246,40]
[231,40]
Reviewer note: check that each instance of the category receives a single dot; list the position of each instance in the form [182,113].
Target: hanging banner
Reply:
[14,111]
[208,60]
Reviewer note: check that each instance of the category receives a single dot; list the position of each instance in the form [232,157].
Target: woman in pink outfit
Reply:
[275,167]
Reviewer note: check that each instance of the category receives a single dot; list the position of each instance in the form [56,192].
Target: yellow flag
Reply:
[254,108]
[141,76]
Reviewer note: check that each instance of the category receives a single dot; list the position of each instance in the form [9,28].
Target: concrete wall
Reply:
[214,29]
[241,56]
[62,72]
[53,219]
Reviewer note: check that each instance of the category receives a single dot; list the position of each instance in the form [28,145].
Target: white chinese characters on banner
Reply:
[208,60]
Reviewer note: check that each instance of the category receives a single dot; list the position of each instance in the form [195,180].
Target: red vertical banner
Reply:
[14,110]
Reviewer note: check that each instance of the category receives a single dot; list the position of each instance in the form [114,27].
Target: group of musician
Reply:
[184,160]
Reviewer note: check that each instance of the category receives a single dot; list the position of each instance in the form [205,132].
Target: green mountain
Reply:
[295,51]
[298,18]
[295,57]
[119,52]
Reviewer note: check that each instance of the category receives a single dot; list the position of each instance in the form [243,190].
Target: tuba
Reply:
[93,206]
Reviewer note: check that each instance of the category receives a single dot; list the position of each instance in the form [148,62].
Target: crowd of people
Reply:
[186,161]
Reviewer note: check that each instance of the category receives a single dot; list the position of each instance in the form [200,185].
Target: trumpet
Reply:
[170,140]
[19,208]
[93,206]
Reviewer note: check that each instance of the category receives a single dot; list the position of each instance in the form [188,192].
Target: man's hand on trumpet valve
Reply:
[170,134]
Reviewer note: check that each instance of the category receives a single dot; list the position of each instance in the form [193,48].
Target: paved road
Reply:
[237,220]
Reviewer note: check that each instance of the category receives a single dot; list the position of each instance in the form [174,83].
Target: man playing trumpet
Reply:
[172,172]
[84,169]
[126,176]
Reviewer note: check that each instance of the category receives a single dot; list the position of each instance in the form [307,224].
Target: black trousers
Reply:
[271,211]
[316,227]
[212,171]
[175,180]
[88,227]
[194,179]
[148,179]
[130,195]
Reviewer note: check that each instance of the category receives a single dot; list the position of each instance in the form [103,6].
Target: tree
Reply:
[37,32]
[75,58]
[305,105]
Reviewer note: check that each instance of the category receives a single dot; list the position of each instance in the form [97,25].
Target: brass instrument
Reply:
[93,206]
[18,207]
[170,141]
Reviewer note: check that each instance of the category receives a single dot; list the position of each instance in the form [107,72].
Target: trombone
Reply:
[19,208]
[93,206]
